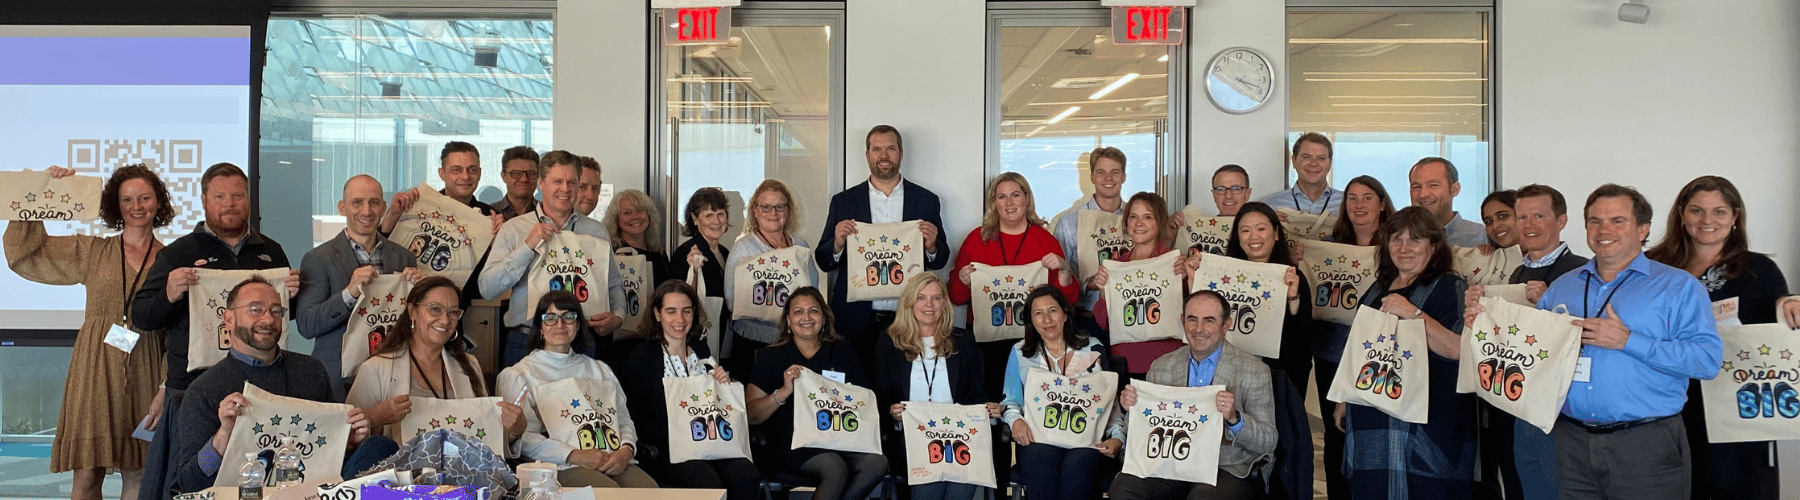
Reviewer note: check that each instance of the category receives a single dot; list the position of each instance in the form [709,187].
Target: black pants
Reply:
[737,476]
[1229,487]
[1336,485]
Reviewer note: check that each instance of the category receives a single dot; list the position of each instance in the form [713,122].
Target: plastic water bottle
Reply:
[287,463]
[250,478]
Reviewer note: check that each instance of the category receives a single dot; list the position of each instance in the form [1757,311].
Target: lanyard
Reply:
[126,318]
[443,377]
[1322,205]
[931,369]
[678,361]
[1585,311]
[1015,254]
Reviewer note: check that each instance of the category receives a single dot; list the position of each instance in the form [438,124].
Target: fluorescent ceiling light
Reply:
[1164,58]
[1387,72]
[1402,97]
[1115,85]
[1413,105]
[1064,114]
[1035,130]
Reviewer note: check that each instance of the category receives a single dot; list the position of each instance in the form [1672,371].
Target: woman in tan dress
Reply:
[108,390]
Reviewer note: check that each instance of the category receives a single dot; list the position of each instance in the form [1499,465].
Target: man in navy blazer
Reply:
[332,275]
[884,198]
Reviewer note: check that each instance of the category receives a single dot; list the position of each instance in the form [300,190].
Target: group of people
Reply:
[1647,332]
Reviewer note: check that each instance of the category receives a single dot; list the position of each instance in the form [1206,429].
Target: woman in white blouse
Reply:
[773,225]
[555,348]
[424,356]
[924,358]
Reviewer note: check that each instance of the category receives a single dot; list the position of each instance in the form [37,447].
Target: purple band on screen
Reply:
[125,61]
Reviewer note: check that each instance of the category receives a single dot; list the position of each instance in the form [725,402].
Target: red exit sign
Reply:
[1149,25]
[697,25]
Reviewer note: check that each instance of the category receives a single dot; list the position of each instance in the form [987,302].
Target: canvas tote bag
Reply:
[207,300]
[1384,354]
[1143,299]
[1257,295]
[477,418]
[588,414]
[575,263]
[1173,433]
[1211,234]
[1304,226]
[947,442]
[883,257]
[446,236]
[1754,397]
[997,299]
[36,196]
[1493,269]
[1068,412]
[1098,237]
[1339,275]
[383,299]
[764,282]
[321,433]
[1520,359]
[832,415]
[707,419]
[637,278]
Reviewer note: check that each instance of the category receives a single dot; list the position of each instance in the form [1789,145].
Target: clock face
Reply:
[1239,80]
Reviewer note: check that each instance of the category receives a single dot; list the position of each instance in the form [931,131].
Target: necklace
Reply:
[443,377]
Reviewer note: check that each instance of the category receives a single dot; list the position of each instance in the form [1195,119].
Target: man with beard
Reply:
[224,241]
[1434,186]
[1312,192]
[333,275]
[517,245]
[518,169]
[254,316]
[884,198]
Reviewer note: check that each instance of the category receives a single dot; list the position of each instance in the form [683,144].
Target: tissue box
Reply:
[422,492]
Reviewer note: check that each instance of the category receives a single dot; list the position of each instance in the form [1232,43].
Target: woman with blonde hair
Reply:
[924,358]
[771,223]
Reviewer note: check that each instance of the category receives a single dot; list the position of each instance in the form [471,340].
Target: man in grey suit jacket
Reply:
[1247,403]
[332,275]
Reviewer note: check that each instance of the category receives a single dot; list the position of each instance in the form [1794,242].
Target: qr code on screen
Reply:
[177,161]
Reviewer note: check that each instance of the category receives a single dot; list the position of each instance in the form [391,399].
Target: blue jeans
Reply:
[516,339]
[1534,453]
[372,451]
[1055,473]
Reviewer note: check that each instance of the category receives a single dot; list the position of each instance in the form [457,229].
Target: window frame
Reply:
[663,170]
[1172,140]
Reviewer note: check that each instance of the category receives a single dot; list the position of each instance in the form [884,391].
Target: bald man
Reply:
[332,275]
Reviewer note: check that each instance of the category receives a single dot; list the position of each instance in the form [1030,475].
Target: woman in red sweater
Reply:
[1010,234]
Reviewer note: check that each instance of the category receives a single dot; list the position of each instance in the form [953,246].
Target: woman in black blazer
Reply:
[675,346]
[913,363]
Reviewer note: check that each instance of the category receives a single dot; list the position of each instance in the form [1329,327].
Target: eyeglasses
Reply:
[782,207]
[259,310]
[437,310]
[519,175]
[1229,189]
[554,318]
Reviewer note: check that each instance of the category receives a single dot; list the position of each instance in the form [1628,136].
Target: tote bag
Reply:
[1510,293]
[1068,412]
[477,418]
[1754,397]
[764,282]
[320,431]
[997,299]
[947,442]
[1256,294]
[36,196]
[713,307]
[1211,234]
[1098,237]
[1492,269]
[884,257]
[588,414]
[1304,226]
[575,263]
[446,236]
[706,419]
[1137,294]
[1383,355]
[1339,275]
[383,299]
[1520,359]
[1174,433]
[207,300]
[635,277]
[835,415]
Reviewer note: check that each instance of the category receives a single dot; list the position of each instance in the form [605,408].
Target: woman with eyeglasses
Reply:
[424,356]
[773,225]
[675,346]
[557,341]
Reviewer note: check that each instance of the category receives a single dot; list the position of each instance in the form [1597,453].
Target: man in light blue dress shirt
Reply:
[1312,192]
[1648,329]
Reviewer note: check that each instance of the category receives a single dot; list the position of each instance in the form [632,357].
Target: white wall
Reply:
[1255,141]
[601,105]
[1703,88]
